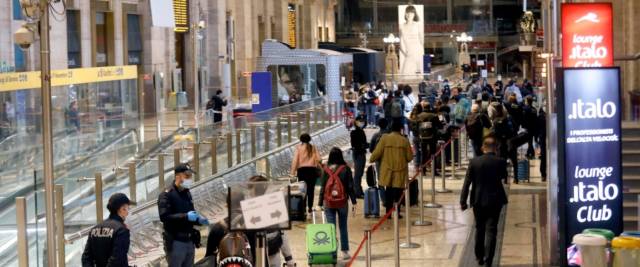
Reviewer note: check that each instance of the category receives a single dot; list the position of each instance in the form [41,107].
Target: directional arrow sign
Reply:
[264,211]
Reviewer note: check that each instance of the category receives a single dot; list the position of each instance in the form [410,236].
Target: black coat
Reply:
[173,206]
[359,141]
[107,244]
[484,176]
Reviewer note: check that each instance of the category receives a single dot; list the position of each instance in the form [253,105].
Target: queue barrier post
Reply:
[433,203]
[407,217]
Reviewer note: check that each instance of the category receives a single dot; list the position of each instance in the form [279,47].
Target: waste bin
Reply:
[592,249]
[631,233]
[626,251]
[608,234]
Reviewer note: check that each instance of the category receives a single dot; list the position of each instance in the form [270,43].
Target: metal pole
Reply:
[238,147]
[132,182]
[229,150]
[433,203]
[254,140]
[299,124]
[316,114]
[214,155]
[421,221]
[176,157]
[443,160]
[267,137]
[453,158]
[289,129]
[459,146]
[161,172]
[279,132]
[396,235]
[407,215]
[196,161]
[21,223]
[367,234]
[159,130]
[99,203]
[261,255]
[307,121]
[59,192]
[47,135]
[196,89]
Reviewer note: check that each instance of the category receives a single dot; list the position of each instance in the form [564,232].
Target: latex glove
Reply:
[192,216]
[203,221]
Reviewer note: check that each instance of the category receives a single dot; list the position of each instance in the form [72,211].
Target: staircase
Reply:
[631,174]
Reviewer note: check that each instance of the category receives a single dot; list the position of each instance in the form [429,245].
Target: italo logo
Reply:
[587,35]
[592,110]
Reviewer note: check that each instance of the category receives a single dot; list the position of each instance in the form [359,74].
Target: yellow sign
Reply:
[181,15]
[31,80]
[291,24]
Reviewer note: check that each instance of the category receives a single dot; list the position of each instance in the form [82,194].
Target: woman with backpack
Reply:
[336,188]
[306,161]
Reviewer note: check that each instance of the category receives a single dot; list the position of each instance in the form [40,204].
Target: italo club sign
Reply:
[592,161]
[587,35]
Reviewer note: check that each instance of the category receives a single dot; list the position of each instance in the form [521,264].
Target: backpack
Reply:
[335,195]
[503,128]
[459,112]
[274,242]
[396,108]
[235,246]
[474,126]
[426,129]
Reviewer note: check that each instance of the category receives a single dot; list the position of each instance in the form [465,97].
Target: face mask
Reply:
[187,183]
[359,124]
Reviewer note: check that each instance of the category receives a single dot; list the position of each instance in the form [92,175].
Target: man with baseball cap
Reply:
[108,242]
[178,216]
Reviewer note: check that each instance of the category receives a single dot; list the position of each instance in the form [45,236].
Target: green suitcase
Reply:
[322,244]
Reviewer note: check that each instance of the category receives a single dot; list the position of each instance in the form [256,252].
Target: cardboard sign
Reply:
[587,35]
[591,139]
[264,211]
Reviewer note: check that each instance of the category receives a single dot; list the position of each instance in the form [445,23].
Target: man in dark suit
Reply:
[484,175]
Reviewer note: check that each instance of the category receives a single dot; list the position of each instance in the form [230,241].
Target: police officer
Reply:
[108,242]
[178,216]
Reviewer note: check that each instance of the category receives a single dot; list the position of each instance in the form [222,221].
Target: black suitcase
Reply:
[371,176]
[297,211]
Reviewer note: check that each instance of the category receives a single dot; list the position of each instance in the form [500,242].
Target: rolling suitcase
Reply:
[297,201]
[523,170]
[322,244]
[371,203]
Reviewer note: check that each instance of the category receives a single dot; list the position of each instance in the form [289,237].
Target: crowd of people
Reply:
[498,121]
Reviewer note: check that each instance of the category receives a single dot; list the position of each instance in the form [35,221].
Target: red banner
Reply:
[587,35]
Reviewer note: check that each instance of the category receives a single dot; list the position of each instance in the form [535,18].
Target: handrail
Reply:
[150,203]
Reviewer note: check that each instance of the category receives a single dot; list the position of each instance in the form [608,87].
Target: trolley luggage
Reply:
[297,201]
[322,244]
[371,203]
[523,170]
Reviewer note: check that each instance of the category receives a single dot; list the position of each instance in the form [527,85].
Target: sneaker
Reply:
[345,255]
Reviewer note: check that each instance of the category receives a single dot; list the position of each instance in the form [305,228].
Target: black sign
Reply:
[591,174]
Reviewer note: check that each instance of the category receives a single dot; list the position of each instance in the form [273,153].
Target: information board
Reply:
[587,35]
[592,170]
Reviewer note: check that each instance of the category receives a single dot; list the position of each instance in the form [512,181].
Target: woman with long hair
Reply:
[306,161]
[411,42]
[333,210]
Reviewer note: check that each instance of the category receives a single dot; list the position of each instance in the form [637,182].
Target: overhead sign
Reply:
[592,163]
[587,35]
[30,80]
[181,14]
[264,211]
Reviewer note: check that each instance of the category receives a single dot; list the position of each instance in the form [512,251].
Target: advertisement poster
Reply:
[261,91]
[587,35]
[592,152]
[411,25]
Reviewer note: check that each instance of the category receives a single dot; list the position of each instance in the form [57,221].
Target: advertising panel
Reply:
[592,174]
[411,25]
[261,89]
[587,35]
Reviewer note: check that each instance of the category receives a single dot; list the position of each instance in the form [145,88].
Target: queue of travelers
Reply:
[498,121]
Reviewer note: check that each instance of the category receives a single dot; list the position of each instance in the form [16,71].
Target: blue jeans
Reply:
[182,254]
[343,214]
[370,110]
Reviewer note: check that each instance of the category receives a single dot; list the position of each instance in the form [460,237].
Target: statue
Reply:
[528,22]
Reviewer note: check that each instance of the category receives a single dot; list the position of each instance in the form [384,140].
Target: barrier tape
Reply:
[388,214]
